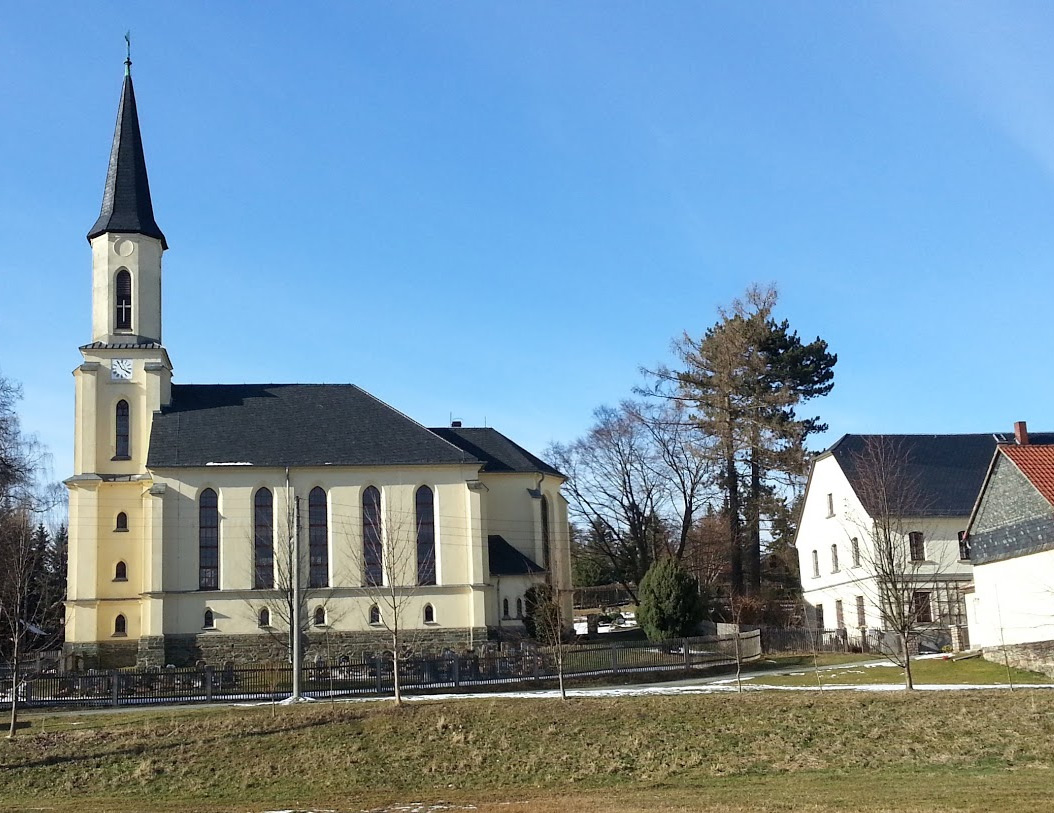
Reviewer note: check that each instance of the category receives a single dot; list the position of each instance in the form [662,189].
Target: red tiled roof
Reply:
[1037,464]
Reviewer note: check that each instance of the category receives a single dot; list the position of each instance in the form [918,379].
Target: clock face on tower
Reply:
[121,369]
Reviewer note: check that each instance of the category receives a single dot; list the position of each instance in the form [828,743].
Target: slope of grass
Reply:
[969,672]
[754,751]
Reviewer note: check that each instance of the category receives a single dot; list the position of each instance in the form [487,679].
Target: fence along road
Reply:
[372,676]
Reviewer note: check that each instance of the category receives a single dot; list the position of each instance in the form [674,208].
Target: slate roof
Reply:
[949,469]
[505,560]
[290,425]
[498,453]
[126,205]
[1037,464]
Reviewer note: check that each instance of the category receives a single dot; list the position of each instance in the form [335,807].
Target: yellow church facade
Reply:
[196,509]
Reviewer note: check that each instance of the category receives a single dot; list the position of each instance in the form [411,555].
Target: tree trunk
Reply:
[14,691]
[752,555]
[735,552]
[908,681]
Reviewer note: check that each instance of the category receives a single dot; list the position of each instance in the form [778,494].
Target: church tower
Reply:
[124,379]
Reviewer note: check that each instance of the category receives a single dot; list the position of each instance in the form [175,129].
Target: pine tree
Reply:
[670,603]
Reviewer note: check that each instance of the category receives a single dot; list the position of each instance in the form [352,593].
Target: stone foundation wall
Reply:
[1036,657]
[216,649]
[100,654]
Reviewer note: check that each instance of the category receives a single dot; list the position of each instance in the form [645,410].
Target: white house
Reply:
[1011,536]
[835,537]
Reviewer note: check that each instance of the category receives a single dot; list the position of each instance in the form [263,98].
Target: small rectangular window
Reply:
[920,606]
[830,505]
[819,616]
[855,546]
[815,564]
[917,544]
[839,614]
[834,558]
[861,616]
[964,546]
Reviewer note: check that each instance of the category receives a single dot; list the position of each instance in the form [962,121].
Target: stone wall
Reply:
[101,655]
[1036,657]
[216,649]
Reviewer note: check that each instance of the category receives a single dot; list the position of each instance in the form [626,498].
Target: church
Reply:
[198,512]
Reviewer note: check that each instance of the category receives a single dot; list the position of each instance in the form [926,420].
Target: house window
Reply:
[426,536]
[964,546]
[815,564]
[839,615]
[372,552]
[830,505]
[375,614]
[430,614]
[209,621]
[122,522]
[861,617]
[264,617]
[208,541]
[917,545]
[263,539]
[819,617]
[122,444]
[855,548]
[123,301]
[519,608]
[546,551]
[505,608]
[120,573]
[920,606]
[120,625]
[834,558]
[320,616]
[318,538]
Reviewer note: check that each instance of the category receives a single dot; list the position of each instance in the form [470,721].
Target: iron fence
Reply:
[373,675]
[802,639]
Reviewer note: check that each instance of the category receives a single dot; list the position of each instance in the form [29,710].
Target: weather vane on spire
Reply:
[128,52]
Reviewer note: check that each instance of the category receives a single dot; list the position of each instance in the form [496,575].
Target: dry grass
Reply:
[750,752]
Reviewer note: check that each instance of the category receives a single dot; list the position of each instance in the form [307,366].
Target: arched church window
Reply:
[375,614]
[209,621]
[545,533]
[263,539]
[265,617]
[120,625]
[320,616]
[430,614]
[505,608]
[208,541]
[372,553]
[122,445]
[519,608]
[122,522]
[123,300]
[120,573]
[318,537]
[426,536]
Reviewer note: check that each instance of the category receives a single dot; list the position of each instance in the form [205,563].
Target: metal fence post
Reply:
[380,675]
[537,667]
[457,671]
[209,672]
[614,659]
[114,689]
[687,656]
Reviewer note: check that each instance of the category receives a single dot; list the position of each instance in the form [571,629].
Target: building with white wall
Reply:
[836,538]
[186,499]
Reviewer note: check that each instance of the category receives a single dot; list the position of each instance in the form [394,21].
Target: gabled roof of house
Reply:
[498,452]
[290,425]
[505,560]
[1037,464]
[949,469]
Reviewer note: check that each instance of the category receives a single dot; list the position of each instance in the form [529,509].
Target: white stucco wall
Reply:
[1013,601]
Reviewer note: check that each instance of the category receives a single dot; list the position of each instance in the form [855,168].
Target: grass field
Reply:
[852,671]
[773,751]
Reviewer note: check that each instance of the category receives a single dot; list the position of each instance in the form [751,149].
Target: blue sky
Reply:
[500,211]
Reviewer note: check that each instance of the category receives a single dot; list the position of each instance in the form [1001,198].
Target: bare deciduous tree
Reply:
[898,579]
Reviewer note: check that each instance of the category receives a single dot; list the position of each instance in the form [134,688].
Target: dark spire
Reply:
[126,203]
